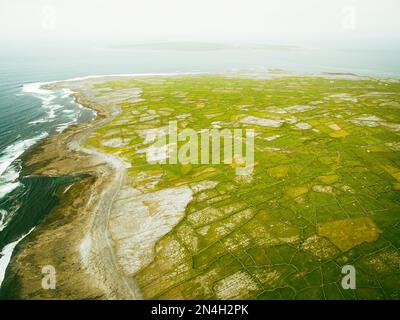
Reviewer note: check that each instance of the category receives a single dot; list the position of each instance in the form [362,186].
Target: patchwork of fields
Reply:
[324,192]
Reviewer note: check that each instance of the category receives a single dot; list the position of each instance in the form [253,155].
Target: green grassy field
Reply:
[324,193]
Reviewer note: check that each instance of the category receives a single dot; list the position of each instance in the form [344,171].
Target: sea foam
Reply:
[5,255]
[15,150]
[8,173]
[3,214]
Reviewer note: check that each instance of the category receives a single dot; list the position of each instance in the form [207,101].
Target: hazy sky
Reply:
[236,20]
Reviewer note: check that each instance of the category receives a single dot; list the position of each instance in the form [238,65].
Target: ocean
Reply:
[29,114]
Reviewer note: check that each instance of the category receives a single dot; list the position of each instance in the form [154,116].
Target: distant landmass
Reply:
[199,46]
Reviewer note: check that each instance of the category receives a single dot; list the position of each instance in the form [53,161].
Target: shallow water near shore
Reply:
[29,113]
